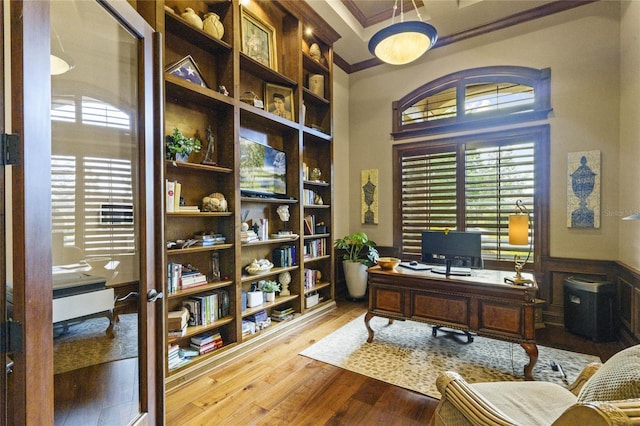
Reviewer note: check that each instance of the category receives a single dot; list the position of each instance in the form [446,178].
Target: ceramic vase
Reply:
[192,18]
[212,25]
[271,296]
[355,273]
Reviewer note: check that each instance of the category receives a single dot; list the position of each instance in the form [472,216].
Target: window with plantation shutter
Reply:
[92,205]
[471,180]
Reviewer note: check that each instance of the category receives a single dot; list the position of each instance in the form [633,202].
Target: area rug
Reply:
[406,354]
[87,344]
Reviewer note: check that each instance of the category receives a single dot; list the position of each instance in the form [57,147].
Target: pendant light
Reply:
[403,42]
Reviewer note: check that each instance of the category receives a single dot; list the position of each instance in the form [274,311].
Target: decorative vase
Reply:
[212,25]
[355,273]
[180,156]
[271,296]
[192,18]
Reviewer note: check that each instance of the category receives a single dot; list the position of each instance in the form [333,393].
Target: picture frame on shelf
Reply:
[258,39]
[187,69]
[279,100]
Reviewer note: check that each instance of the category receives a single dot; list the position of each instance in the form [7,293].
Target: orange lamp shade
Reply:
[519,229]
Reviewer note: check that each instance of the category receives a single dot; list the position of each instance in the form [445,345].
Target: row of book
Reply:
[309,197]
[173,193]
[180,277]
[207,308]
[284,256]
[283,314]
[311,278]
[316,248]
[177,357]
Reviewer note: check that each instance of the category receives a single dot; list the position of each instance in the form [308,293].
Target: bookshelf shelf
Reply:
[318,286]
[198,329]
[199,289]
[272,272]
[199,249]
[280,300]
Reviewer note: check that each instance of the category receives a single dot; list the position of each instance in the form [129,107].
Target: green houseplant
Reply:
[269,288]
[360,253]
[178,146]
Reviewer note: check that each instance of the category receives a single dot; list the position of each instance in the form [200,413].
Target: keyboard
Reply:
[455,270]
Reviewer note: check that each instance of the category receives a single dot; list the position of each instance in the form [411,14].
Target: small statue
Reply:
[314,52]
[209,155]
[315,174]
[284,279]
[212,25]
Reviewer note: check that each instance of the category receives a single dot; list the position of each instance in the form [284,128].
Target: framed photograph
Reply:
[279,100]
[258,39]
[187,69]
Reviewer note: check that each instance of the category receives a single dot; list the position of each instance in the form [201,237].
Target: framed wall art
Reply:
[258,39]
[279,100]
[369,197]
[187,69]
[583,189]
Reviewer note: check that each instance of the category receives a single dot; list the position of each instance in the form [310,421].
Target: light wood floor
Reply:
[274,385]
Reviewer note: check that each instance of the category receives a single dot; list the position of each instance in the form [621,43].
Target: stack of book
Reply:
[192,278]
[206,342]
[177,323]
[282,314]
[175,358]
[188,208]
[261,320]
[248,236]
[207,240]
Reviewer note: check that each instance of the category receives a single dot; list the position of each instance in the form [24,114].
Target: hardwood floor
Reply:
[274,385]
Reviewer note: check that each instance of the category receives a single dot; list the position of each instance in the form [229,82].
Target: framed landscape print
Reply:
[187,69]
[279,100]
[258,39]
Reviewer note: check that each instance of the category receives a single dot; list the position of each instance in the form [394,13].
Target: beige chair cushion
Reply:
[618,378]
[527,403]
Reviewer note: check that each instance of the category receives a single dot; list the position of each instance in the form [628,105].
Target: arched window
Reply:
[472,182]
[472,99]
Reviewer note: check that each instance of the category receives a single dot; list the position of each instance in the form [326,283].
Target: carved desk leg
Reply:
[109,331]
[532,350]
[367,318]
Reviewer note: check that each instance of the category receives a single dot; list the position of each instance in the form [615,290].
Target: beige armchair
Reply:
[603,394]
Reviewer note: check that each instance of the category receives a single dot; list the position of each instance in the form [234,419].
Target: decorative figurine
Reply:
[209,155]
[314,52]
[315,174]
[215,202]
[284,279]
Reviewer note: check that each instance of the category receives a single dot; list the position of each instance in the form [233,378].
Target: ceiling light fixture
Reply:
[403,42]
[60,61]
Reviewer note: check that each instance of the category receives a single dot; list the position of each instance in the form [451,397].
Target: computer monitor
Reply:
[452,248]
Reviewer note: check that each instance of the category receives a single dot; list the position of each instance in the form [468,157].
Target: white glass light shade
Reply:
[59,65]
[403,42]
[519,229]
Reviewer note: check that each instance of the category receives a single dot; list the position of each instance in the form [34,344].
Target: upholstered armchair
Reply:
[603,394]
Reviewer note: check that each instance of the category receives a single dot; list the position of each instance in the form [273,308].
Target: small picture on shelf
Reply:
[258,39]
[280,100]
[187,69]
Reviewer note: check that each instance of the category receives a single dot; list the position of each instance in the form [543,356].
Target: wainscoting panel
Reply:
[628,280]
[556,270]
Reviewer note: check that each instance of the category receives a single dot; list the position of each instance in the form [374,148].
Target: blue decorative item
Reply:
[584,185]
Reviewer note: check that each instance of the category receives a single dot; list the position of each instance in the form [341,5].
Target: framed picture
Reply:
[258,39]
[279,100]
[187,69]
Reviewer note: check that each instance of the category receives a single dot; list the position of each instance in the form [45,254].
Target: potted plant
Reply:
[269,288]
[178,146]
[360,254]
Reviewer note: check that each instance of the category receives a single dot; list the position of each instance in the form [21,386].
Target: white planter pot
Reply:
[355,273]
[271,296]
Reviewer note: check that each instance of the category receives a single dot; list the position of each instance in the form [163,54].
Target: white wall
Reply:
[340,152]
[581,46]
[629,231]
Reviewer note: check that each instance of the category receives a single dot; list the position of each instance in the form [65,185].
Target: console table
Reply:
[481,303]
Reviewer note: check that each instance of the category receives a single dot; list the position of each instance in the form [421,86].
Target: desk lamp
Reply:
[519,236]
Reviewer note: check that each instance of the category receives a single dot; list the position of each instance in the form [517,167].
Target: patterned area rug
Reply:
[86,343]
[405,354]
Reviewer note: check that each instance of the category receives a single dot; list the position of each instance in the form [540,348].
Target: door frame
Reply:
[30,387]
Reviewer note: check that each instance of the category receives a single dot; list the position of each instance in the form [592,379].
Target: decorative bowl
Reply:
[388,262]
[259,266]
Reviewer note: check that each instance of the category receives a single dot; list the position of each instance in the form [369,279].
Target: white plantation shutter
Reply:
[92,205]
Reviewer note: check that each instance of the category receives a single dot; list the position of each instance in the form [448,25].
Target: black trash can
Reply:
[589,308]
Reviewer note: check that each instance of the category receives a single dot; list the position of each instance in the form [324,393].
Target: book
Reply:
[176,197]
[170,187]
[177,320]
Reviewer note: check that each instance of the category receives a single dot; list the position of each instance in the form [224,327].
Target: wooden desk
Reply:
[481,303]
